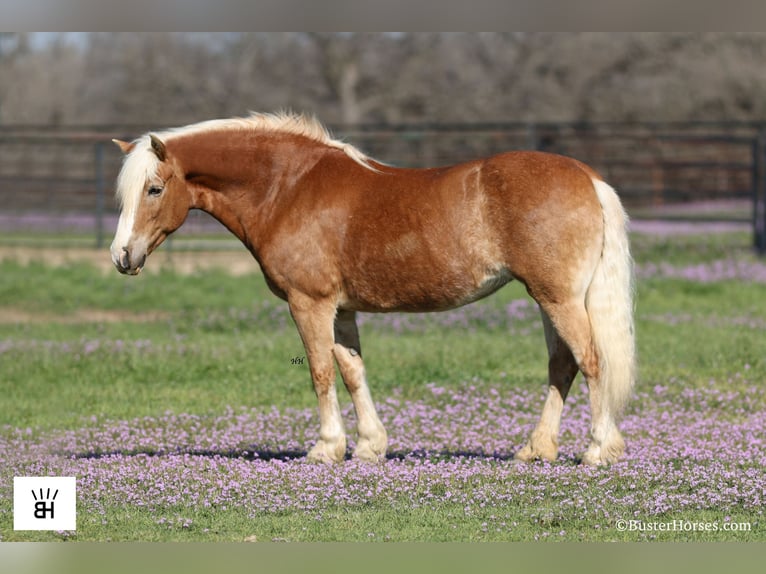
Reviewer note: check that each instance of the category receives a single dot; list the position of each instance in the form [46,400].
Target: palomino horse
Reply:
[336,232]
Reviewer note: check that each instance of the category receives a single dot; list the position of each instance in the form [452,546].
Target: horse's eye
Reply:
[154,190]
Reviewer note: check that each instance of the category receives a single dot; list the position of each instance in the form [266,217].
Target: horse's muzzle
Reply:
[126,263]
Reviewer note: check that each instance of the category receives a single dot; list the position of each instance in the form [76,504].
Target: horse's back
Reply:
[437,238]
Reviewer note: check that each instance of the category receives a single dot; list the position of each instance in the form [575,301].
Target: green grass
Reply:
[200,353]
[214,342]
[379,524]
[692,248]
[197,357]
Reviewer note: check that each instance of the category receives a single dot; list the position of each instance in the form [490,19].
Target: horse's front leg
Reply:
[348,353]
[314,320]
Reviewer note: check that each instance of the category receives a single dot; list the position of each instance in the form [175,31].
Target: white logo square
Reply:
[44,503]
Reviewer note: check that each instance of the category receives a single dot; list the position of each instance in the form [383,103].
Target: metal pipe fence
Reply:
[60,181]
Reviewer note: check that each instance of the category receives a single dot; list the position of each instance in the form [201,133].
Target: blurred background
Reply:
[675,121]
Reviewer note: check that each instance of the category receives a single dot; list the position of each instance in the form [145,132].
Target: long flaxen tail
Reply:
[609,302]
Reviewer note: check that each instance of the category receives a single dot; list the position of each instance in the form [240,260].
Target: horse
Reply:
[336,232]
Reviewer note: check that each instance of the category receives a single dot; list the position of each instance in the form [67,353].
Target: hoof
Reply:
[601,456]
[365,451]
[326,454]
[592,457]
[532,452]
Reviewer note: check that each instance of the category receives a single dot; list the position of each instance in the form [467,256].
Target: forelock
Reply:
[138,166]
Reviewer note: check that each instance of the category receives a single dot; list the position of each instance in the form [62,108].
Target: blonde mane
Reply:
[141,164]
[285,122]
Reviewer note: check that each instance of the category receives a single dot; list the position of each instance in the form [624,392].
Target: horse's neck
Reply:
[240,187]
[217,202]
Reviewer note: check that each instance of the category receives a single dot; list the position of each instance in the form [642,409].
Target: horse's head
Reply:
[154,202]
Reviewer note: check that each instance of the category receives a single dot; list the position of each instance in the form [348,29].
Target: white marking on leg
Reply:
[373,439]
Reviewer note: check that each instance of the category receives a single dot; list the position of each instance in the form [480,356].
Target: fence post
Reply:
[759,193]
[100,192]
[531,135]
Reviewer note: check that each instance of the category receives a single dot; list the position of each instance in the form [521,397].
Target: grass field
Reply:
[182,404]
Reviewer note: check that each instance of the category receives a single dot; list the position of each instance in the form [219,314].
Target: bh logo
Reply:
[44,503]
[41,507]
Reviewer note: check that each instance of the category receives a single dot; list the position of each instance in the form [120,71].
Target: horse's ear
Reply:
[158,147]
[125,146]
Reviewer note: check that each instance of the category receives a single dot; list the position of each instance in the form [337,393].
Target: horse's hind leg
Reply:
[562,369]
[573,325]
[348,353]
[314,320]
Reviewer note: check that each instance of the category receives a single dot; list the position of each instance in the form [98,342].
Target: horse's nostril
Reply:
[125,259]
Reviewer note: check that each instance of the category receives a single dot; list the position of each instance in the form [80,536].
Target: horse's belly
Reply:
[422,292]
[490,284]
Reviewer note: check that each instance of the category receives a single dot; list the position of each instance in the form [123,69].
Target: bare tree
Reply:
[167,79]
[40,86]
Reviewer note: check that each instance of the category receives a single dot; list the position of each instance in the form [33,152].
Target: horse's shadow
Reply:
[244,454]
[261,454]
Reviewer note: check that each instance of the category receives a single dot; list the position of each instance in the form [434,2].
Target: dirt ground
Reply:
[12,316]
[236,262]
